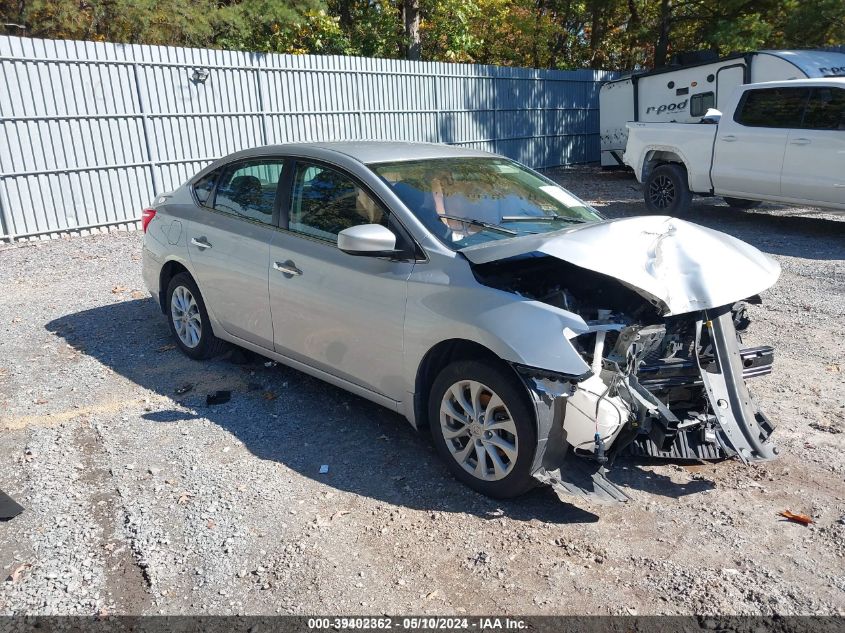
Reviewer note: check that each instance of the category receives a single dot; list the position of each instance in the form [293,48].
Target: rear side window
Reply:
[248,189]
[825,110]
[204,186]
[772,107]
[700,103]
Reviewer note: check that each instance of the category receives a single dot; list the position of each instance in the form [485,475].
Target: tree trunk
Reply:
[664,28]
[344,10]
[632,33]
[411,16]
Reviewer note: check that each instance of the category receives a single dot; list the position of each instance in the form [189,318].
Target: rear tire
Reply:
[483,428]
[188,319]
[739,203]
[666,191]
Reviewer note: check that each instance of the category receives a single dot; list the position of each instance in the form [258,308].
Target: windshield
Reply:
[465,201]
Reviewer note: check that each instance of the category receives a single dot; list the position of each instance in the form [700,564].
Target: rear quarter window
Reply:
[204,187]
[825,110]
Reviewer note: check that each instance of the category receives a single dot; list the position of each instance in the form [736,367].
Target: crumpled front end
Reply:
[676,389]
[661,383]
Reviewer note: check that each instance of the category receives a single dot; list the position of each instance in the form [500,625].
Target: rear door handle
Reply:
[730,138]
[800,141]
[201,243]
[288,269]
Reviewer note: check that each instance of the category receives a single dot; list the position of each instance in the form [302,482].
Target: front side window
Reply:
[465,201]
[700,103]
[326,201]
[772,107]
[248,189]
[825,110]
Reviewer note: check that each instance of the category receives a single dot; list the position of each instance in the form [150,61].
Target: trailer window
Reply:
[772,107]
[825,110]
[700,103]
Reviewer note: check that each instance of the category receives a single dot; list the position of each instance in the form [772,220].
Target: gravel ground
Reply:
[141,501]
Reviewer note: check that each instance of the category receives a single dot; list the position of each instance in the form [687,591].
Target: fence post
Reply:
[359,124]
[435,76]
[145,126]
[5,214]
[261,106]
[495,111]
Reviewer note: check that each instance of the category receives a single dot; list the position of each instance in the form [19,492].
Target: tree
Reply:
[611,34]
[411,18]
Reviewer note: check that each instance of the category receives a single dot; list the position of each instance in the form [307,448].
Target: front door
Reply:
[340,313]
[748,153]
[229,247]
[814,163]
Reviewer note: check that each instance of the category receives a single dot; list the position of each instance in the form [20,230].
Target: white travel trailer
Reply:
[683,93]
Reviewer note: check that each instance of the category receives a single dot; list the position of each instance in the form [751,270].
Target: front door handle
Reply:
[730,138]
[288,269]
[201,243]
[800,141]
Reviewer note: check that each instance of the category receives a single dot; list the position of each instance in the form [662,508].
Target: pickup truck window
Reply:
[825,110]
[772,107]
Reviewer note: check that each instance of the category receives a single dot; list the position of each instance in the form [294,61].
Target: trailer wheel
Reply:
[666,190]
[739,203]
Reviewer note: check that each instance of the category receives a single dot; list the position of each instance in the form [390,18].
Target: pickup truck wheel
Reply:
[739,203]
[666,191]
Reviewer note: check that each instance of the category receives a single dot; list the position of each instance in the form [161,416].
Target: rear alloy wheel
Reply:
[667,191]
[185,314]
[189,321]
[483,428]
[739,203]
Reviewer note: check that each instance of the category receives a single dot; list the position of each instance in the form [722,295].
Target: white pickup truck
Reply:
[778,141]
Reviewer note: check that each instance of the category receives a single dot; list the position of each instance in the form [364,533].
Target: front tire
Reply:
[666,190]
[188,319]
[739,203]
[483,428]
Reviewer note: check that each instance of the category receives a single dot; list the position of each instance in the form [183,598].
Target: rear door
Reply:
[749,150]
[814,163]
[229,247]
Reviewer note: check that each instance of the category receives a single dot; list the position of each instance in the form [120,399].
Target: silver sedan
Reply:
[475,297]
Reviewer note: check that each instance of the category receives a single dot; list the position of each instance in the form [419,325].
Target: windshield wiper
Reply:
[486,225]
[535,218]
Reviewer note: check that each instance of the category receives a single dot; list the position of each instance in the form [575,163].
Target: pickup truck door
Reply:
[748,151]
[814,163]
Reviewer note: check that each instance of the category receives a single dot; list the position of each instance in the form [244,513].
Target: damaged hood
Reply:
[685,266]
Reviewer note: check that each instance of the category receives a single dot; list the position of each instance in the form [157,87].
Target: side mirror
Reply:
[373,240]
[711,116]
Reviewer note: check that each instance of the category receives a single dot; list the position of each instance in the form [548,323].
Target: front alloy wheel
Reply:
[484,427]
[479,430]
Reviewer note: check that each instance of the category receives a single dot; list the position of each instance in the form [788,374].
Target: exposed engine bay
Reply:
[662,386]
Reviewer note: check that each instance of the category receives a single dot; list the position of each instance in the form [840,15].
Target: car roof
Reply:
[368,152]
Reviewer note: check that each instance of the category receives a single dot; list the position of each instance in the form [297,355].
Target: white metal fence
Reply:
[92,131]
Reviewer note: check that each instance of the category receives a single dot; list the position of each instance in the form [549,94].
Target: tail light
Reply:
[147,216]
